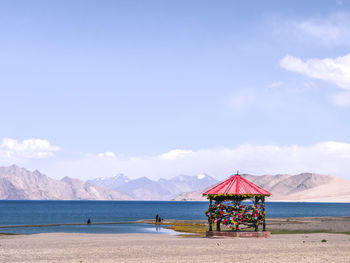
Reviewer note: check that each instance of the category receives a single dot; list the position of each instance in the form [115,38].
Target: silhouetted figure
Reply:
[89,221]
[157,218]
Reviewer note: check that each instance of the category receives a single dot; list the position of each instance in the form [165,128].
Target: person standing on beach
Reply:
[157,218]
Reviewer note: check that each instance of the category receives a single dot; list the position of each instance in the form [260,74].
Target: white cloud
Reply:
[31,148]
[106,155]
[333,30]
[324,157]
[335,71]
[174,154]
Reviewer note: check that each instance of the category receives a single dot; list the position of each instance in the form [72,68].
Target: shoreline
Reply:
[295,225]
[203,201]
[292,225]
[70,224]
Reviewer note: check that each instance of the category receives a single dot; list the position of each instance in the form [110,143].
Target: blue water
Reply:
[63,212]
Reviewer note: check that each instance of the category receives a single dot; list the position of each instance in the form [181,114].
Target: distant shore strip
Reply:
[72,224]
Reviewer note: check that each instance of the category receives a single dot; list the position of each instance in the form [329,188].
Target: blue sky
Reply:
[140,79]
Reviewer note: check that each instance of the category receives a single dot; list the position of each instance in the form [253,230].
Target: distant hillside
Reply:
[20,184]
[110,182]
[146,189]
[307,187]
[186,183]
[139,189]
[17,183]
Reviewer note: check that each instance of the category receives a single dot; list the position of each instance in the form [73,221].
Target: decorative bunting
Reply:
[235,215]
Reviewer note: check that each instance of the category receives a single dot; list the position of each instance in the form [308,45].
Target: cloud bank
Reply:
[11,149]
[324,157]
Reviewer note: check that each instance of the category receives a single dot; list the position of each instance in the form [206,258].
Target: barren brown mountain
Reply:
[17,183]
[306,187]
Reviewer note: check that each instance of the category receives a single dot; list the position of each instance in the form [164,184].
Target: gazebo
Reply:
[228,209]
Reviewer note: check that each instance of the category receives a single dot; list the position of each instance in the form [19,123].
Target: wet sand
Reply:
[330,224]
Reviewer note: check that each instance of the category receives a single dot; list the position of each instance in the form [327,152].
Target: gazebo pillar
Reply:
[218,226]
[218,222]
[209,222]
[256,223]
[263,204]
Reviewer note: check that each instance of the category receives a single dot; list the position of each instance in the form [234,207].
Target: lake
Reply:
[67,212]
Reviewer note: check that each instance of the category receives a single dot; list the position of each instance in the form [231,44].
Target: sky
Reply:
[160,88]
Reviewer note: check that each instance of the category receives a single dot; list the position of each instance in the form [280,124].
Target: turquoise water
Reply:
[66,212]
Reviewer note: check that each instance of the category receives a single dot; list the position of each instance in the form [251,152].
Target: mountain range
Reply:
[20,184]
[304,187]
[163,189]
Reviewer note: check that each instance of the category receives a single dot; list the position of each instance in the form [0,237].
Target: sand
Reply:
[325,224]
[70,247]
[65,247]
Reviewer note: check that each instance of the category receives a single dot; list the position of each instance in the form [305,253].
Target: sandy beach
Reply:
[63,247]
[292,240]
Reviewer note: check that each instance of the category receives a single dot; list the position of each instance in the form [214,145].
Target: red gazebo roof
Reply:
[237,185]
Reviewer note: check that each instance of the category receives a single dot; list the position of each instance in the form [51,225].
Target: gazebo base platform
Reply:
[237,234]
